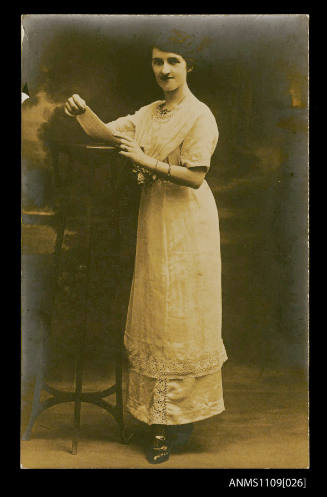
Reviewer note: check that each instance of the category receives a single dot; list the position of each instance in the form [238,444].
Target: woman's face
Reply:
[169,68]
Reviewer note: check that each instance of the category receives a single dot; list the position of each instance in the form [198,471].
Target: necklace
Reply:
[163,114]
[162,110]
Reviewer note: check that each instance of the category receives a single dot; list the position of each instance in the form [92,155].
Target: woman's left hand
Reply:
[131,149]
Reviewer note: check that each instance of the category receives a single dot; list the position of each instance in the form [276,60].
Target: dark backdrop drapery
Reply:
[252,72]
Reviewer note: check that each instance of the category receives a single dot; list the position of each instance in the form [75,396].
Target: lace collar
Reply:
[161,114]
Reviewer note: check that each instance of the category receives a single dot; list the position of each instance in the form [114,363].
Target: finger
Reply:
[126,142]
[118,135]
[68,106]
[122,137]
[73,111]
[125,154]
[68,113]
[72,104]
[125,146]
[79,101]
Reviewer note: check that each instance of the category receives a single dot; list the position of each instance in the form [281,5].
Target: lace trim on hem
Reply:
[155,368]
[159,406]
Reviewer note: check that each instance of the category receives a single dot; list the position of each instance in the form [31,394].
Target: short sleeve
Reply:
[200,143]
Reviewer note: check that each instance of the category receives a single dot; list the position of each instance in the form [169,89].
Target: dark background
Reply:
[252,72]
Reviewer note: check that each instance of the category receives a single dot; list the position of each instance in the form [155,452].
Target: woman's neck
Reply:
[172,98]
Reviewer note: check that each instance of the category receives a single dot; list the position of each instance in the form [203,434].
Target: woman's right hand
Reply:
[75,106]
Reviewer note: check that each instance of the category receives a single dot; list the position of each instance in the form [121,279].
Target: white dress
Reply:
[173,326]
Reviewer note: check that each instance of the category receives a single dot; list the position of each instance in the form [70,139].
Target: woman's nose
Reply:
[165,69]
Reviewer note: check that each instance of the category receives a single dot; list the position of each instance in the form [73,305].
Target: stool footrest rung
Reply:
[60,396]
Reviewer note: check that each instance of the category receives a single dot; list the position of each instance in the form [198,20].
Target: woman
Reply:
[173,327]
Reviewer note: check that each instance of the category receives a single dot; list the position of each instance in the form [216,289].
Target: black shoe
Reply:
[159,450]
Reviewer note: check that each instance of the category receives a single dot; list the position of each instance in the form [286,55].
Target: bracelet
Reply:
[169,168]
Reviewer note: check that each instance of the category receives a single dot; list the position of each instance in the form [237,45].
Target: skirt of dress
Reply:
[173,326]
[174,401]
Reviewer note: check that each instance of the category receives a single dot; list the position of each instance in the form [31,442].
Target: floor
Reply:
[265,425]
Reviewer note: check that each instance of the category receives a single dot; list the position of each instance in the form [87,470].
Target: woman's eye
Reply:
[173,61]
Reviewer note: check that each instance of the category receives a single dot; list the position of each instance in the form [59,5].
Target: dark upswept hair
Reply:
[180,42]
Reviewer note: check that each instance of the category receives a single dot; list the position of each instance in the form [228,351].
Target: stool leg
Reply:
[81,345]
[80,367]
[39,383]
[124,436]
[77,409]
[119,396]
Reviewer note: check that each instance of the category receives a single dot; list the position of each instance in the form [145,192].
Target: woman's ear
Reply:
[190,69]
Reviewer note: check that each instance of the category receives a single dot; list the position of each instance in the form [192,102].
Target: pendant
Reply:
[162,111]
[162,114]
